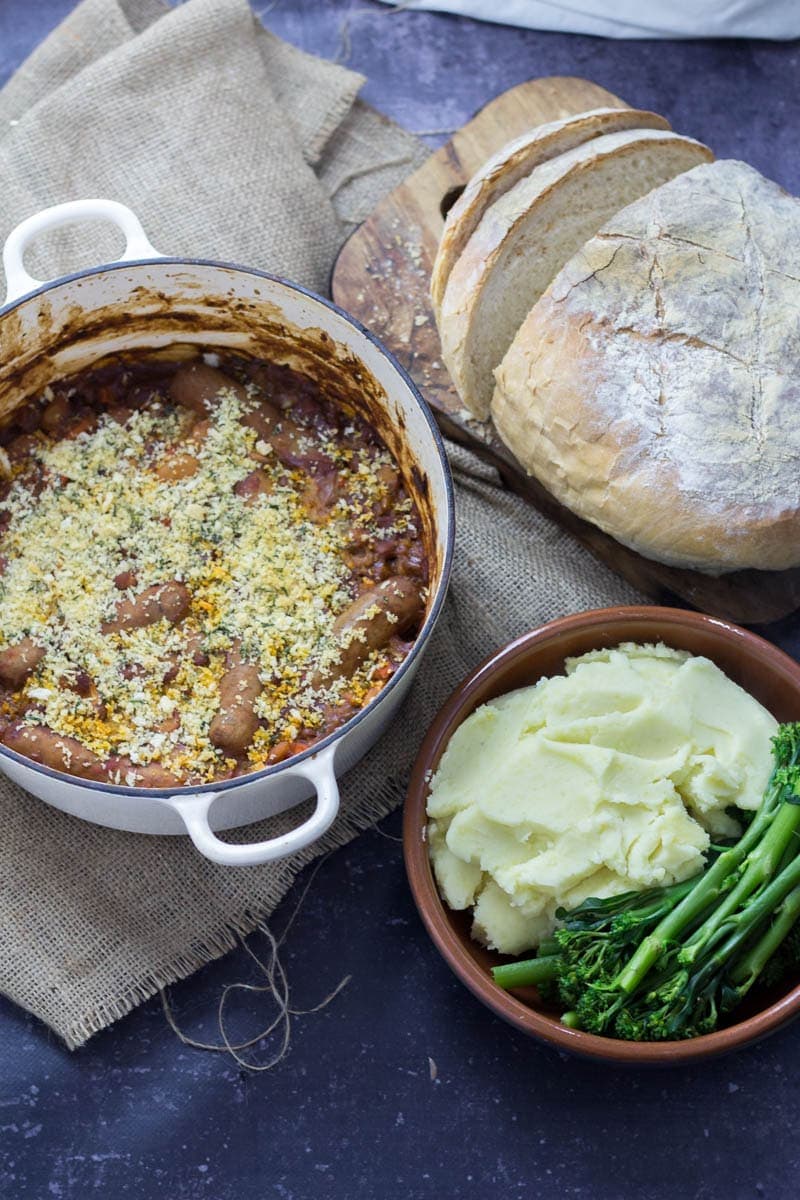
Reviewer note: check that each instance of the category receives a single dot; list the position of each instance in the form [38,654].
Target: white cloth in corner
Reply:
[778,20]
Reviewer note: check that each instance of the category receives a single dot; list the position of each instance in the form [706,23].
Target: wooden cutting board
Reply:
[382,274]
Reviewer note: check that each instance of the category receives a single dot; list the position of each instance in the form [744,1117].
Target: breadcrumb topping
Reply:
[265,573]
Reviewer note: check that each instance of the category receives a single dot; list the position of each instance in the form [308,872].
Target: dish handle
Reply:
[20,283]
[193,810]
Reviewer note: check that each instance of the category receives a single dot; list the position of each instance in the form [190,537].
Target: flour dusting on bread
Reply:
[654,387]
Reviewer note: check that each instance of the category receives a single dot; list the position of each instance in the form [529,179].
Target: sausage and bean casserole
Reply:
[205,568]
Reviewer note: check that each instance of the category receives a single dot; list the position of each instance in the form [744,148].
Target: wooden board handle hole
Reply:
[449,198]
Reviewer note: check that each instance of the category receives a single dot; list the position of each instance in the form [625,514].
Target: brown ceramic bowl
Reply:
[763,670]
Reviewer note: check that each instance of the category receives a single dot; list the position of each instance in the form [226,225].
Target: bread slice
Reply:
[515,160]
[654,388]
[526,236]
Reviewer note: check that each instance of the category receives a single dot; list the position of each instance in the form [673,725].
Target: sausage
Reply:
[286,439]
[55,414]
[194,650]
[309,411]
[172,669]
[197,386]
[197,432]
[289,450]
[263,419]
[180,465]
[119,770]
[28,417]
[152,775]
[392,607]
[84,686]
[45,746]
[320,495]
[170,600]
[256,484]
[120,413]
[233,727]
[125,579]
[21,448]
[19,661]
[62,753]
[86,423]
[359,553]
[170,724]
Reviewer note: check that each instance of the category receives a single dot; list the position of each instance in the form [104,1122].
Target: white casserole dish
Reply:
[146,300]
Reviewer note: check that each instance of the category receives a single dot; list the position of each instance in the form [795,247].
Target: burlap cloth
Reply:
[229,144]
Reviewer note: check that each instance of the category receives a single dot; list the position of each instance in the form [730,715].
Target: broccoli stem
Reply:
[708,977]
[682,1001]
[759,867]
[709,888]
[725,874]
[527,973]
[748,968]
[757,911]
[547,947]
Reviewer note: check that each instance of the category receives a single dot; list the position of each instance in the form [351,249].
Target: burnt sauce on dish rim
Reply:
[206,567]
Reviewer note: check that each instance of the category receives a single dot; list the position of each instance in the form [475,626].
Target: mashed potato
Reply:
[606,779]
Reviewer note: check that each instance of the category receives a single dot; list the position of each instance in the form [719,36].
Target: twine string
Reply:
[276,986]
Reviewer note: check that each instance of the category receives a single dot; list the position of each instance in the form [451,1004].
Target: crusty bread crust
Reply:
[511,163]
[527,235]
[654,388]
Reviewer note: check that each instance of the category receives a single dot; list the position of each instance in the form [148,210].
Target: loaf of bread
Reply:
[511,163]
[654,389]
[526,236]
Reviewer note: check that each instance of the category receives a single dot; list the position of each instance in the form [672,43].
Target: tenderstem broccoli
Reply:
[668,963]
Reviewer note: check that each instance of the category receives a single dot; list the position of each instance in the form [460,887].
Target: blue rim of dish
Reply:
[447,558]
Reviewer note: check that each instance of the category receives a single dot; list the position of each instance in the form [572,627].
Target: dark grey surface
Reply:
[354,1111]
